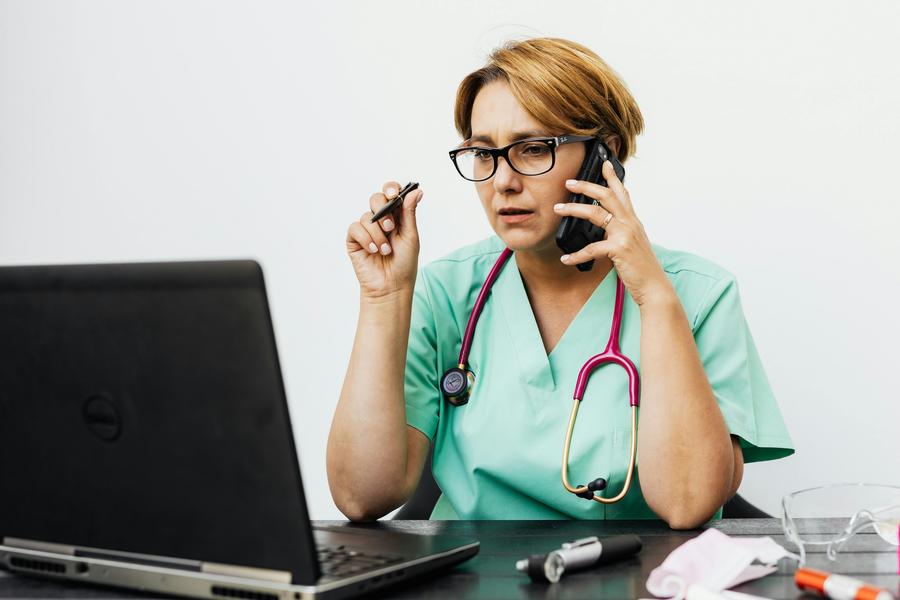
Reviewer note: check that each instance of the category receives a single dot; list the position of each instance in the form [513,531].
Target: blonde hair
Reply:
[565,86]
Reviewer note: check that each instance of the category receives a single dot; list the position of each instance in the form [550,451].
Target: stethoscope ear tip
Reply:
[597,485]
[587,495]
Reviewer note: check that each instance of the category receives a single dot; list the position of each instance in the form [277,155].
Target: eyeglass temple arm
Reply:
[571,139]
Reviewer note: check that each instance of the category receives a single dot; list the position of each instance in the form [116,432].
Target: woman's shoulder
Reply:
[472,260]
[452,281]
[687,265]
[698,281]
[489,247]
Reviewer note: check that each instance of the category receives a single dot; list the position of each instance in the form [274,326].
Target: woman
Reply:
[705,404]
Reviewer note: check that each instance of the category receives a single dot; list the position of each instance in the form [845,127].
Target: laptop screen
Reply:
[142,410]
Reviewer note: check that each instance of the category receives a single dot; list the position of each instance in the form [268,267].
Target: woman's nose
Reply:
[505,178]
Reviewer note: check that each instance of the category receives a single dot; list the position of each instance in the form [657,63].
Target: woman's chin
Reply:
[524,240]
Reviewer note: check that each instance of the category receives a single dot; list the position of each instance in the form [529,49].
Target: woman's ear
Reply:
[613,142]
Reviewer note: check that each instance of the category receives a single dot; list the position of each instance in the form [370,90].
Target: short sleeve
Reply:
[421,379]
[736,373]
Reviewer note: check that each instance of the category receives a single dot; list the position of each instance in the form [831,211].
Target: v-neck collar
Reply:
[535,363]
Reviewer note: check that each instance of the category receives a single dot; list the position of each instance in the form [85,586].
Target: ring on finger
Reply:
[609,217]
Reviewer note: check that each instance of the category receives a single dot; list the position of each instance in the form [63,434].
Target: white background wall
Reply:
[175,130]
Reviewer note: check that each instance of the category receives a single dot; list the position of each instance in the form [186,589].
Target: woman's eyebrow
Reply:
[514,137]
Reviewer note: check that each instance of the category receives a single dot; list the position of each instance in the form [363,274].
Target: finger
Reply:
[376,233]
[390,190]
[589,252]
[603,195]
[386,223]
[590,212]
[357,234]
[615,184]
[410,203]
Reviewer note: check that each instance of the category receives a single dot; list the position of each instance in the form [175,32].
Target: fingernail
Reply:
[385,249]
[373,248]
[388,224]
[571,182]
[558,206]
[564,257]
[606,164]
[390,192]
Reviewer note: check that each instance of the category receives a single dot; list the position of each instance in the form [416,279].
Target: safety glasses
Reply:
[825,518]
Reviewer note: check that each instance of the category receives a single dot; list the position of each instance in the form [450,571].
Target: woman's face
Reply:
[497,120]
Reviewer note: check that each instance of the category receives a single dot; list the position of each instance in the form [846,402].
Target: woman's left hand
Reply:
[626,243]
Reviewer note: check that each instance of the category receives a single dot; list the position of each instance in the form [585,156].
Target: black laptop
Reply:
[145,442]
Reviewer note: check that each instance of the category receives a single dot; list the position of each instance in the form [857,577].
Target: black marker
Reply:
[396,201]
[580,554]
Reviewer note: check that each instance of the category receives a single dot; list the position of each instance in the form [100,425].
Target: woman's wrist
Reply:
[389,314]
[663,297]
[399,296]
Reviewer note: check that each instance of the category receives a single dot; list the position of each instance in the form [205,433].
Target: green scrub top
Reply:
[499,456]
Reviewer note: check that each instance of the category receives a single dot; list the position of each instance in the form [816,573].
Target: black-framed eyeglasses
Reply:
[531,156]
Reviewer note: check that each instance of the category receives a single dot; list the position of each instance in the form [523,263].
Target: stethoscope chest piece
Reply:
[456,385]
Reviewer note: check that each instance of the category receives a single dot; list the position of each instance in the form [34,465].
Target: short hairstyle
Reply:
[565,86]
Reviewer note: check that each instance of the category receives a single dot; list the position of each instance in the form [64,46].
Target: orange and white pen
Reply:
[838,587]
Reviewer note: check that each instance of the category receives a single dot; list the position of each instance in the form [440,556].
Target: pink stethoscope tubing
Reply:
[612,354]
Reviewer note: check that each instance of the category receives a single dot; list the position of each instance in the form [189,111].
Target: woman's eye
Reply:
[535,150]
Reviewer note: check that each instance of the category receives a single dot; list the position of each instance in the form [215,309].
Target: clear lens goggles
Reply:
[825,518]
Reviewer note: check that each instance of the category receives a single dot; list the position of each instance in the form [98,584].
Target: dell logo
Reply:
[102,418]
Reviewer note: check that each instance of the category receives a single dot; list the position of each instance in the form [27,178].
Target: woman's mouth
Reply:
[511,216]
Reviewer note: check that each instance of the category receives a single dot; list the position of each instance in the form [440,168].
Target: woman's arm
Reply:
[374,459]
[690,466]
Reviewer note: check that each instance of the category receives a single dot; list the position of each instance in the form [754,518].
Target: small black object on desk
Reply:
[584,553]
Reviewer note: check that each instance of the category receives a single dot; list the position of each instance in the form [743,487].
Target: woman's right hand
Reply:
[385,254]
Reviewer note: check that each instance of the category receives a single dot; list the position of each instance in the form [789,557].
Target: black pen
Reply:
[580,554]
[396,201]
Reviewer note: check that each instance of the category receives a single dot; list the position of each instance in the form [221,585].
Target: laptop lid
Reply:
[142,410]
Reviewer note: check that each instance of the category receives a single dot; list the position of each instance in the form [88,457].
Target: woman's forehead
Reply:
[499,119]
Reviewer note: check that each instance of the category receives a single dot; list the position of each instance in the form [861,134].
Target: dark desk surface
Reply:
[492,574]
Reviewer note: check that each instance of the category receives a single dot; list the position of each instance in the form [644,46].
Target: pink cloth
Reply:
[715,562]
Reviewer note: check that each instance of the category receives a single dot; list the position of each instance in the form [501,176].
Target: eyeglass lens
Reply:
[527,157]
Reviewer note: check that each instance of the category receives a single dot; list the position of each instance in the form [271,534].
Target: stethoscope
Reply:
[457,382]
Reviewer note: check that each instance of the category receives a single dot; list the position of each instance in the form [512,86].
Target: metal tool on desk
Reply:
[580,554]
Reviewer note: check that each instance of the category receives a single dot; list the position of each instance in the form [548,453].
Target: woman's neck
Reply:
[541,269]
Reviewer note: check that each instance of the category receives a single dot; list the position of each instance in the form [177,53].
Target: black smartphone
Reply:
[574,233]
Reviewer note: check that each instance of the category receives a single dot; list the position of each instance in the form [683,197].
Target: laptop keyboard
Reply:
[340,561]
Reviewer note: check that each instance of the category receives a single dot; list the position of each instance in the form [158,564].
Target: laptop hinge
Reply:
[114,555]
[247,572]
[39,546]
[144,559]
[211,568]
